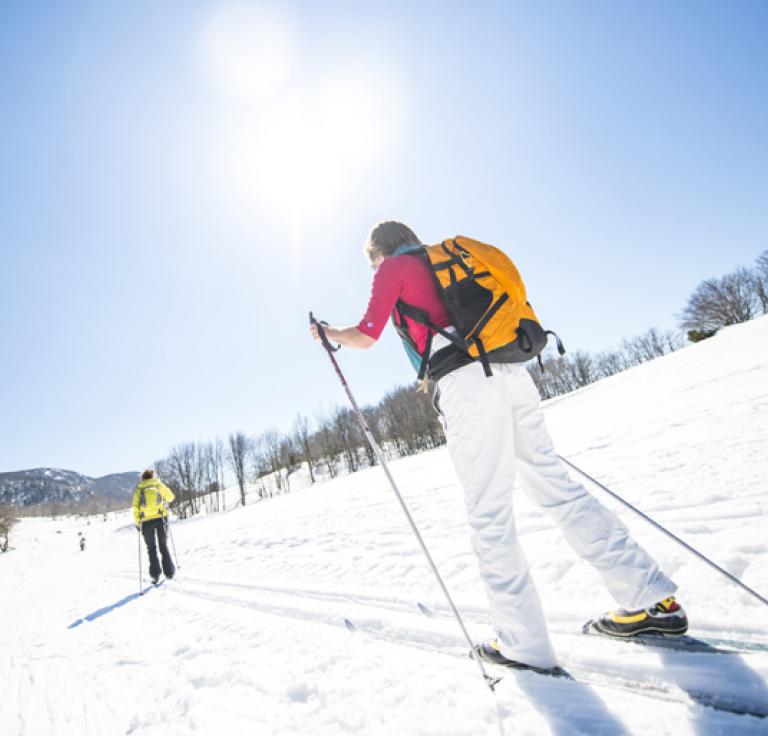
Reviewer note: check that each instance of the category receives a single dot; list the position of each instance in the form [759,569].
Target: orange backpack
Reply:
[486,301]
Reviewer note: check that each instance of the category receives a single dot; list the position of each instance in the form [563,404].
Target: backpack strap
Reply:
[483,357]
[560,346]
[420,316]
[425,358]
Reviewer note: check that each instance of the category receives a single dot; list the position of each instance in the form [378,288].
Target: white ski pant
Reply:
[496,432]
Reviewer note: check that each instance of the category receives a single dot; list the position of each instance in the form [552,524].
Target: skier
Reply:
[495,430]
[82,544]
[150,513]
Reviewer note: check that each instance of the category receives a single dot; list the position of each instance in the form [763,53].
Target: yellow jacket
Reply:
[148,500]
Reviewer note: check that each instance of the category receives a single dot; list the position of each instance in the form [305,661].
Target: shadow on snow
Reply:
[107,609]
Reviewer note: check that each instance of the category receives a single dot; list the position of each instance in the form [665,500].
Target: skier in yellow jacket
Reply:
[150,513]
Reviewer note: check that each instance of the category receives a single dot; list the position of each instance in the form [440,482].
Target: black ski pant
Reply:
[150,529]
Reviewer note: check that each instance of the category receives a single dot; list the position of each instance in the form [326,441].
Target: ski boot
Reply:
[490,651]
[665,618]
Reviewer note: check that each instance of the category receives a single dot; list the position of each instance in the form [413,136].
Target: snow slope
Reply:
[250,638]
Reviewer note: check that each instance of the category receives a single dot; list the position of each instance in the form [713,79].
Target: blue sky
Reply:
[182,181]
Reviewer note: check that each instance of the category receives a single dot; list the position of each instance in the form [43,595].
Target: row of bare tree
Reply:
[728,300]
[561,375]
[403,423]
[91,506]
[195,471]
[718,302]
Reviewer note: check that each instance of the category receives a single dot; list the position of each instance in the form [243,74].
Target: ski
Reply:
[557,672]
[677,643]
[585,675]
[698,645]
[152,585]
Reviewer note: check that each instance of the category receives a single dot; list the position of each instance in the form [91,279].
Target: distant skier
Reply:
[150,513]
[82,544]
[496,431]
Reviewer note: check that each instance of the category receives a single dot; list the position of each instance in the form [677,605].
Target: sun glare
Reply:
[298,144]
[306,151]
[249,51]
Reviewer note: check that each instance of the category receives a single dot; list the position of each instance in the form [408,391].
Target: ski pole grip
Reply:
[321,331]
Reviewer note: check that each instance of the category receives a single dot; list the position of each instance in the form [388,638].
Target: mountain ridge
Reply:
[33,487]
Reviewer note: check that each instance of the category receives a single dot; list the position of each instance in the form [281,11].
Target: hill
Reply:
[65,489]
[251,636]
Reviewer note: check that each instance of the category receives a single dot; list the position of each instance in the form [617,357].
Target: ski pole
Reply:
[173,544]
[677,539]
[489,681]
[141,578]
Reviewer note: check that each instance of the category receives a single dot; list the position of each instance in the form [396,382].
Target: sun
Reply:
[296,142]
[311,148]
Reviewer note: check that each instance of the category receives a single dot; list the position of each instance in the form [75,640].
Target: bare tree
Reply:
[717,303]
[261,467]
[372,416]
[407,421]
[271,442]
[761,280]
[289,458]
[347,428]
[211,460]
[302,436]
[7,521]
[238,453]
[328,444]
[650,345]
[609,363]
[187,475]
[218,458]
[581,369]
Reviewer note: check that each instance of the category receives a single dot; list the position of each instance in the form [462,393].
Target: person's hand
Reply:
[314,330]
[331,333]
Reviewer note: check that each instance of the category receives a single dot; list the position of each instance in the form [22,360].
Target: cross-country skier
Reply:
[150,513]
[82,544]
[495,430]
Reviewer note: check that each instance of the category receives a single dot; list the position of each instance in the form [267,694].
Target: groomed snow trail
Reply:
[250,637]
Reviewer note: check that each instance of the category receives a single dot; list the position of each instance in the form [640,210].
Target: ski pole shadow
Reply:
[721,680]
[570,707]
[104,611]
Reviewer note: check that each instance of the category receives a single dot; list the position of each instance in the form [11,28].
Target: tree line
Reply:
[715,303]
[560,375]
[403,423]
[737,297]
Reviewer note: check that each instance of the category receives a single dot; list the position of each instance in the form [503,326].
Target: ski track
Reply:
[250,636]
[365,613]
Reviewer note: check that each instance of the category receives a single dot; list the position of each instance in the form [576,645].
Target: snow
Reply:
[250,638]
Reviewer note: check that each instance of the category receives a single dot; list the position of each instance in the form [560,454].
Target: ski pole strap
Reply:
[321,331]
